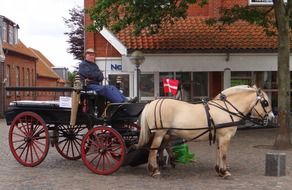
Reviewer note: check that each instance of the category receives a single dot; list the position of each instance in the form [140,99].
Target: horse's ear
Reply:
[259,91]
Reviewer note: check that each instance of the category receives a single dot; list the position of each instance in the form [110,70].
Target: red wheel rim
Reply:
[29,139]
[69,140]
[103,150]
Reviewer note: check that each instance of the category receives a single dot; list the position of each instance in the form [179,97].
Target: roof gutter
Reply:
[114,41]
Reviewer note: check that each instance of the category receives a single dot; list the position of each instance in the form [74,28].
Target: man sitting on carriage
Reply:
[91,75]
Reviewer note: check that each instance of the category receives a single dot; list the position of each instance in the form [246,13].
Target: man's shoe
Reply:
[133,100]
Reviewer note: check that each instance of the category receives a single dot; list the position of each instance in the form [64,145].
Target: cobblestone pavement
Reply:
[247,165]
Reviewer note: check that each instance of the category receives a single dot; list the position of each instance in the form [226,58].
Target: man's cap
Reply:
[89,50]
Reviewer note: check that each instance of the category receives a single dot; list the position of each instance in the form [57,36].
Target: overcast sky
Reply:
[42,26]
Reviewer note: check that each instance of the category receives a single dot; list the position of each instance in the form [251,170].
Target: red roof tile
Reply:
[19,48]
[43,66]
[193,35]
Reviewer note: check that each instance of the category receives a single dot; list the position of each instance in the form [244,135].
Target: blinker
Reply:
[264,103]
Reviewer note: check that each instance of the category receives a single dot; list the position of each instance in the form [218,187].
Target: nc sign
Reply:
[116,67]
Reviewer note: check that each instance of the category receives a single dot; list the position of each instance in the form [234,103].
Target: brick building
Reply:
[22,66]
[204,58]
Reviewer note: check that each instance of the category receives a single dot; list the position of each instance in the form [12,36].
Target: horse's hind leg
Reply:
[222,149]
[152,159]
[166,146]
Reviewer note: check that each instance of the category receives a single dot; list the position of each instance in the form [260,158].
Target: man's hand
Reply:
[87,81]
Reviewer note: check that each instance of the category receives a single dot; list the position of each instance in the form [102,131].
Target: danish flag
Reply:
[170,85]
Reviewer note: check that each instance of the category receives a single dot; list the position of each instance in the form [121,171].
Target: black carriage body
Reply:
[93,111]
[49,111]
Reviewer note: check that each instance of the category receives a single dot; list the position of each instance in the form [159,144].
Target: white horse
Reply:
[214,120]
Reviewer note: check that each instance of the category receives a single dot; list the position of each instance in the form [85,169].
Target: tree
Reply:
[150,14]
[76,34]
[276,20]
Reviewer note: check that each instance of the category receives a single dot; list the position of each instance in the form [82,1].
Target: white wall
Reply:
[205,62]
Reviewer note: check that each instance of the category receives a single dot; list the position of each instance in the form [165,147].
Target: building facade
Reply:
[205,59]
[22,66]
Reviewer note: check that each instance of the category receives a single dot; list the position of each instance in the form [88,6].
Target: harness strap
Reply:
[160,115]
[210,121]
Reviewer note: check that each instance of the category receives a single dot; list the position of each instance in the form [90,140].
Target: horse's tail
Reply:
[144,128]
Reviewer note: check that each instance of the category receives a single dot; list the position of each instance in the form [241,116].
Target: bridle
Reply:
[264,103]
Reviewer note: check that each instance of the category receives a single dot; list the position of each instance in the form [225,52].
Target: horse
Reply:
[215,120]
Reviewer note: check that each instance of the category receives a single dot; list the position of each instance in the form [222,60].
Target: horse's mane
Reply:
[238,88]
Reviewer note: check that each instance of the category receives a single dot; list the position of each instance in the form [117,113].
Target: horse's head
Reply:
[263,108]
[246,99]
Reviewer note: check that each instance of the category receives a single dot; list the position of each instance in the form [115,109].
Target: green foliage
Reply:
[262,16]
[71,77]
[142,14]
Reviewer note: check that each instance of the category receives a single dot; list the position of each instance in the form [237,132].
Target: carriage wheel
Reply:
[29,139]
[103,150]
[69,140]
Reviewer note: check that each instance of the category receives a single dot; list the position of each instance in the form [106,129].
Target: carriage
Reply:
[103,134]
[107,136]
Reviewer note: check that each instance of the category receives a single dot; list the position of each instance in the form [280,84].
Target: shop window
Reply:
[147,85]
[241,78]
[184,79]
[121,82]
[200,84]
[163,75]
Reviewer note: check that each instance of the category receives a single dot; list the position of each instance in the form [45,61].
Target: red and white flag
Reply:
[170,85]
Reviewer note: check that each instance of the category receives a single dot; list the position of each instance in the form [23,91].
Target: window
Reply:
[8,79]
[27,80]
[147,85]
[4,32]
[184,79]
[10,35]
[121,82]
[200,84]
[17,77]
[163,75]
[241,78]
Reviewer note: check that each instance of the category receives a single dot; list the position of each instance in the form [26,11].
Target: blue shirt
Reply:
[89,70]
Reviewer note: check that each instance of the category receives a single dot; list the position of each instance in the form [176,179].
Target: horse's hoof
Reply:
[156,174]
[172,165]
[227,175]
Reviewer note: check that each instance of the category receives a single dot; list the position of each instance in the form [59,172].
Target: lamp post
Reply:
[137,58]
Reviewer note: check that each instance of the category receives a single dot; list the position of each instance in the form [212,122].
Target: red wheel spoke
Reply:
[36,152]
[18,135]
[20,146]
[23,131]
[103,150]
[28,139]
[37,146]
[76,147]
[69,142]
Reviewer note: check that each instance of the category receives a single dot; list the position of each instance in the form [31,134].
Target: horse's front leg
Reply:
[152,159]
[222,149]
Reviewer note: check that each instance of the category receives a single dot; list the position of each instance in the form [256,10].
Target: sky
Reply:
[42,27]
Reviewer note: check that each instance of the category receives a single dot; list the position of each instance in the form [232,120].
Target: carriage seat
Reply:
[91,102]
